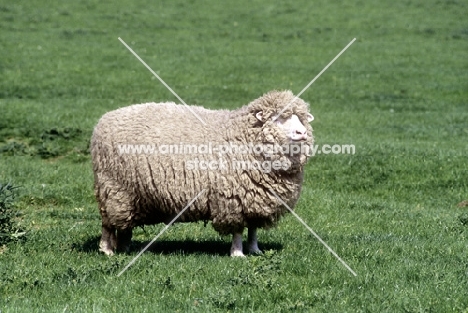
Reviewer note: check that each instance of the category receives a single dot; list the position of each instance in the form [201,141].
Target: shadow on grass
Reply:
[91,245]
[168,247]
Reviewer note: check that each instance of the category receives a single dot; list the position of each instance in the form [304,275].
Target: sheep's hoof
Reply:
[237,253]
[255,251]
[106,247]
[107,251]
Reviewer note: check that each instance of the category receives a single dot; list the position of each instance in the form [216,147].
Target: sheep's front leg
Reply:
[252,243]
[108,240]
[236,247]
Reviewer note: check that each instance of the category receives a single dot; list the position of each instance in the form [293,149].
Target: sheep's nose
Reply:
[299,134]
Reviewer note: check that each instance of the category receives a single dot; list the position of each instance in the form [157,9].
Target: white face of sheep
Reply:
[292,126]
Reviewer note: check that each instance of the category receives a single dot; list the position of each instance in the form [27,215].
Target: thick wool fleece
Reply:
[142,189]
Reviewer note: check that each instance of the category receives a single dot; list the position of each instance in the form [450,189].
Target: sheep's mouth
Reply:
[300,140]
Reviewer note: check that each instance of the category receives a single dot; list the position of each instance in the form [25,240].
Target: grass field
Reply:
[399,94]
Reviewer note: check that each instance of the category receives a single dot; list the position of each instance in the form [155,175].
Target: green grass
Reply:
[399,94]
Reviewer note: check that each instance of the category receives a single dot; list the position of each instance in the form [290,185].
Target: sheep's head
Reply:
[282,119]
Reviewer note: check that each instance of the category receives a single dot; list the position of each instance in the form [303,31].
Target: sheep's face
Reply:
[292,134]
[291,127]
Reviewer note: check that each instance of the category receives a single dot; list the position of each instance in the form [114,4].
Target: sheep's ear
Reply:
[259,116]
[310,117]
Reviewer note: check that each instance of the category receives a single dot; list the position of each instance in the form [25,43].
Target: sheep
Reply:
[135,188]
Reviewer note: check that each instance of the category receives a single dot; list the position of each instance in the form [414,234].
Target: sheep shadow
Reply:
[172,247]
[210,247]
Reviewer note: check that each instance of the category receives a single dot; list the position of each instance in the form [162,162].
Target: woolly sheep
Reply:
[135,189]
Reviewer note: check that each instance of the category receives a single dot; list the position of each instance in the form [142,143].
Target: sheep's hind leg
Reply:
[108,240]
[124,239]
[252,242]
[236,247]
